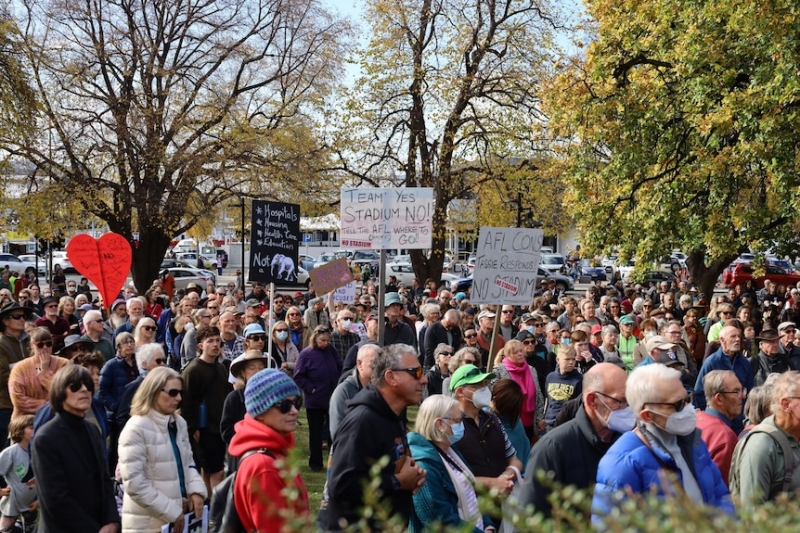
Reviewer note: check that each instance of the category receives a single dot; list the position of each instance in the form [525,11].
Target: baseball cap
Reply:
[526,317]
[659,342]
[627,319]
[468,375]
[392,298]
[486,314]
[783,325]
[252,302]
[596,329]
[669,359]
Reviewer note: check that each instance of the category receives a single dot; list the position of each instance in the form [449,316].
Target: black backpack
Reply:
[222,515]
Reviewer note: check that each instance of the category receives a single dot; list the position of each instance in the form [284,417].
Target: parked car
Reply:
[657,276]
[741,272]
[772,260]
[16,264]
[554,263]
[593,270]
[170,263]
[60,260]
[31,258]
[564,283]
[185,276]
[366,257]
[307,262]
[327,257]
[404,273]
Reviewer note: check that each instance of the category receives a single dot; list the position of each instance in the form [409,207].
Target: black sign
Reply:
[274,242]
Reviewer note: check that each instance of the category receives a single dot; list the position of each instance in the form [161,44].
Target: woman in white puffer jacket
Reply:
[158,471]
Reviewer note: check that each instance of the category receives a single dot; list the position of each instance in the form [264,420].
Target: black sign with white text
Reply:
[274,242]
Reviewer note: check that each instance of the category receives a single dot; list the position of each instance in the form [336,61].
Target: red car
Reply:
[741,272]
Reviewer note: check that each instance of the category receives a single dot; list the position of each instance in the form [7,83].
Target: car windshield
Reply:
[553,260]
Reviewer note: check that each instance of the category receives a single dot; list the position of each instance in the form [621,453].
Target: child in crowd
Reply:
[564,383]
[19,495]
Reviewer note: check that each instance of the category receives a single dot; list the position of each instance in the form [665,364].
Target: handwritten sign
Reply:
[506,263]
[387,218]
[345,294]
[106,261]
[330,276]
[275,242]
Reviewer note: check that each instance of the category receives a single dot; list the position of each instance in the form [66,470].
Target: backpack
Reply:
[786,448]
[222,515]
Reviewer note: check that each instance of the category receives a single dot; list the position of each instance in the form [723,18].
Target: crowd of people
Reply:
[170,391]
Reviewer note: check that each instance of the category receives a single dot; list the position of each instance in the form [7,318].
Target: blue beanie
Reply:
[266,388]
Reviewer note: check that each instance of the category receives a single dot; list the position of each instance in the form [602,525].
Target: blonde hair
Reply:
[432,409]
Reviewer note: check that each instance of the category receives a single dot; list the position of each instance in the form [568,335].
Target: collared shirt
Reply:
[231,349]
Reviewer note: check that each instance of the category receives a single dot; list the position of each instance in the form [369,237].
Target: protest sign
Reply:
[274,242]
[387,218]
[330,276]
[345,294]
[105,262]
[506,263]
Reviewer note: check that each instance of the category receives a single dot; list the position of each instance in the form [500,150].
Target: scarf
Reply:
[521,373]
[463,482]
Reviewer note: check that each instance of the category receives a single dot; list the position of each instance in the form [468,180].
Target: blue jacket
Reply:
[631,464]
[740,366]
[113,378]
[437,500]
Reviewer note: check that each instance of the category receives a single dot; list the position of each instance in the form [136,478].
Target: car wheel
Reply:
[562,287]
[308,283]
[30,270]
[675,267]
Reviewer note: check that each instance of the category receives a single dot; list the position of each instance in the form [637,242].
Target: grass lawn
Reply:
[315,481]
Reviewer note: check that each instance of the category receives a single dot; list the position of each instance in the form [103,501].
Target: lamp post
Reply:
[243,265]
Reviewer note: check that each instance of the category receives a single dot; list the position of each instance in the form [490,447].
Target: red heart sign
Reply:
[105,261]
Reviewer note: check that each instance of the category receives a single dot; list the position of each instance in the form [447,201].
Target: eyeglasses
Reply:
[737,392]
[42,344]
[528,342]
[51,306]
[471,336]
[538,325]
[149,328]
[292,314]
[446,353]
[16,317]
[173,392]
[674,332]
[346,318]
[77,347]
[205,316]
[160,361]
[257,338]
[621,404]
[98,320]
[469,361]
[212,307]
[283,330]
[507,311]
[726,313]
[416,372]
[679,405]
[75,387]
[286,405]
[787,331]
[128,341]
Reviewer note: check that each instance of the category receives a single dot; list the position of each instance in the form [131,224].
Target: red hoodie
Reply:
[259,489]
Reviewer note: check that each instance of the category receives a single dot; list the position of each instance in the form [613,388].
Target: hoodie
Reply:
[258,491]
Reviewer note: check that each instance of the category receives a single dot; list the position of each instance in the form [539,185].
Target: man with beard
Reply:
[119,315]
[135,308]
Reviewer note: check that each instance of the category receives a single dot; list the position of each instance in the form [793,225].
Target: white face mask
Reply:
[529,328]
[482,398]
[346,324]
[681,423]
[621,420]
[282,335]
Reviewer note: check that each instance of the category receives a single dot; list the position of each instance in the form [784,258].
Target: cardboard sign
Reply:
[506,264]
[274,242]
[345,294]
[106,261]
[331,276]
[387,218]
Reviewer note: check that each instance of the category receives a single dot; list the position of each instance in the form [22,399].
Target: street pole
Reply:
[243,265]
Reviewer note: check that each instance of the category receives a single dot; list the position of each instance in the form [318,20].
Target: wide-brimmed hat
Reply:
[768,335]
[11,308]
[72,340]
[238,364]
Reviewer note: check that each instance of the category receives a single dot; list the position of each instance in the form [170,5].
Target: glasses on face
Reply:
[257,338]
[42,344]
[527,342]
[16,317]
[679,405]
[647,307]
[78,348]
[75,387]
[507,311]
[23,298]
[281,330]
[212,307]
[149,328]
[415,372]
[736,392]
[160,361]
[538,325]
[674,332]
[614,306]
[621,404]
[346,318]
[292,314]
[205,316]
[51,306]
[448,354]
[285,406]
[470,362]
[173,392]
[128,341]
[726,313]
[789,331]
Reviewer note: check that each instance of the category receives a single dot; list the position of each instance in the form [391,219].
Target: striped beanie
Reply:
[265,389]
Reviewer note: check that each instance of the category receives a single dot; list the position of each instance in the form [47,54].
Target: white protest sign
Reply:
[345,294]
[506,263]
[387,218]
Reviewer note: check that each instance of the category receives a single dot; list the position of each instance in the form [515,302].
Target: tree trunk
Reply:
[431,267]
[147,258]
[705,276]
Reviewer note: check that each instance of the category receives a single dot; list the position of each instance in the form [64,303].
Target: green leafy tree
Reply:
[680,125]
[157,112]
[448,98]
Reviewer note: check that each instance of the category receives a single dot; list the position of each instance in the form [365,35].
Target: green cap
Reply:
[468,375]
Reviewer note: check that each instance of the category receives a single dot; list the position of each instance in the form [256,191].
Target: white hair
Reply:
[147,353]
[640,388]
[91,316]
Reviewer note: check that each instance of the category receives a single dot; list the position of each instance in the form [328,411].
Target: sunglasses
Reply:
[679,405]
[78,347]
[281,330]
[160,361]
[538,325]
[257,338]
[16,317]
[507,311]
[527,343]
[99,320]
[446,353]
[42,344]
[285,406]
[212,307]
[416,372]
[293,314]
[173,392]
[75,387]
[50,306]
[149,328]
[471,336]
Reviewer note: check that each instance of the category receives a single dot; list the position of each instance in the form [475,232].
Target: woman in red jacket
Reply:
[272,401]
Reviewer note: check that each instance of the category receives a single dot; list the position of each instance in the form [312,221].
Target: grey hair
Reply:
[610,328]
[785,386]
[458,358]
[712,382]
[441,347]
[637,305]
[432,409]
[314,301]
[91,316]
[388,358]
[758,405]
[685,299]
[427,308]
[368,348]
[147,353]
[640,389]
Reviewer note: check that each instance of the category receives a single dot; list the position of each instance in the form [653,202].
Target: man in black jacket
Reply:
[445,331]
[572,451]
[372,429]
[76,493]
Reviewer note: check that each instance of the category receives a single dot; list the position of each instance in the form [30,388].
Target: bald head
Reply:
[603,392]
